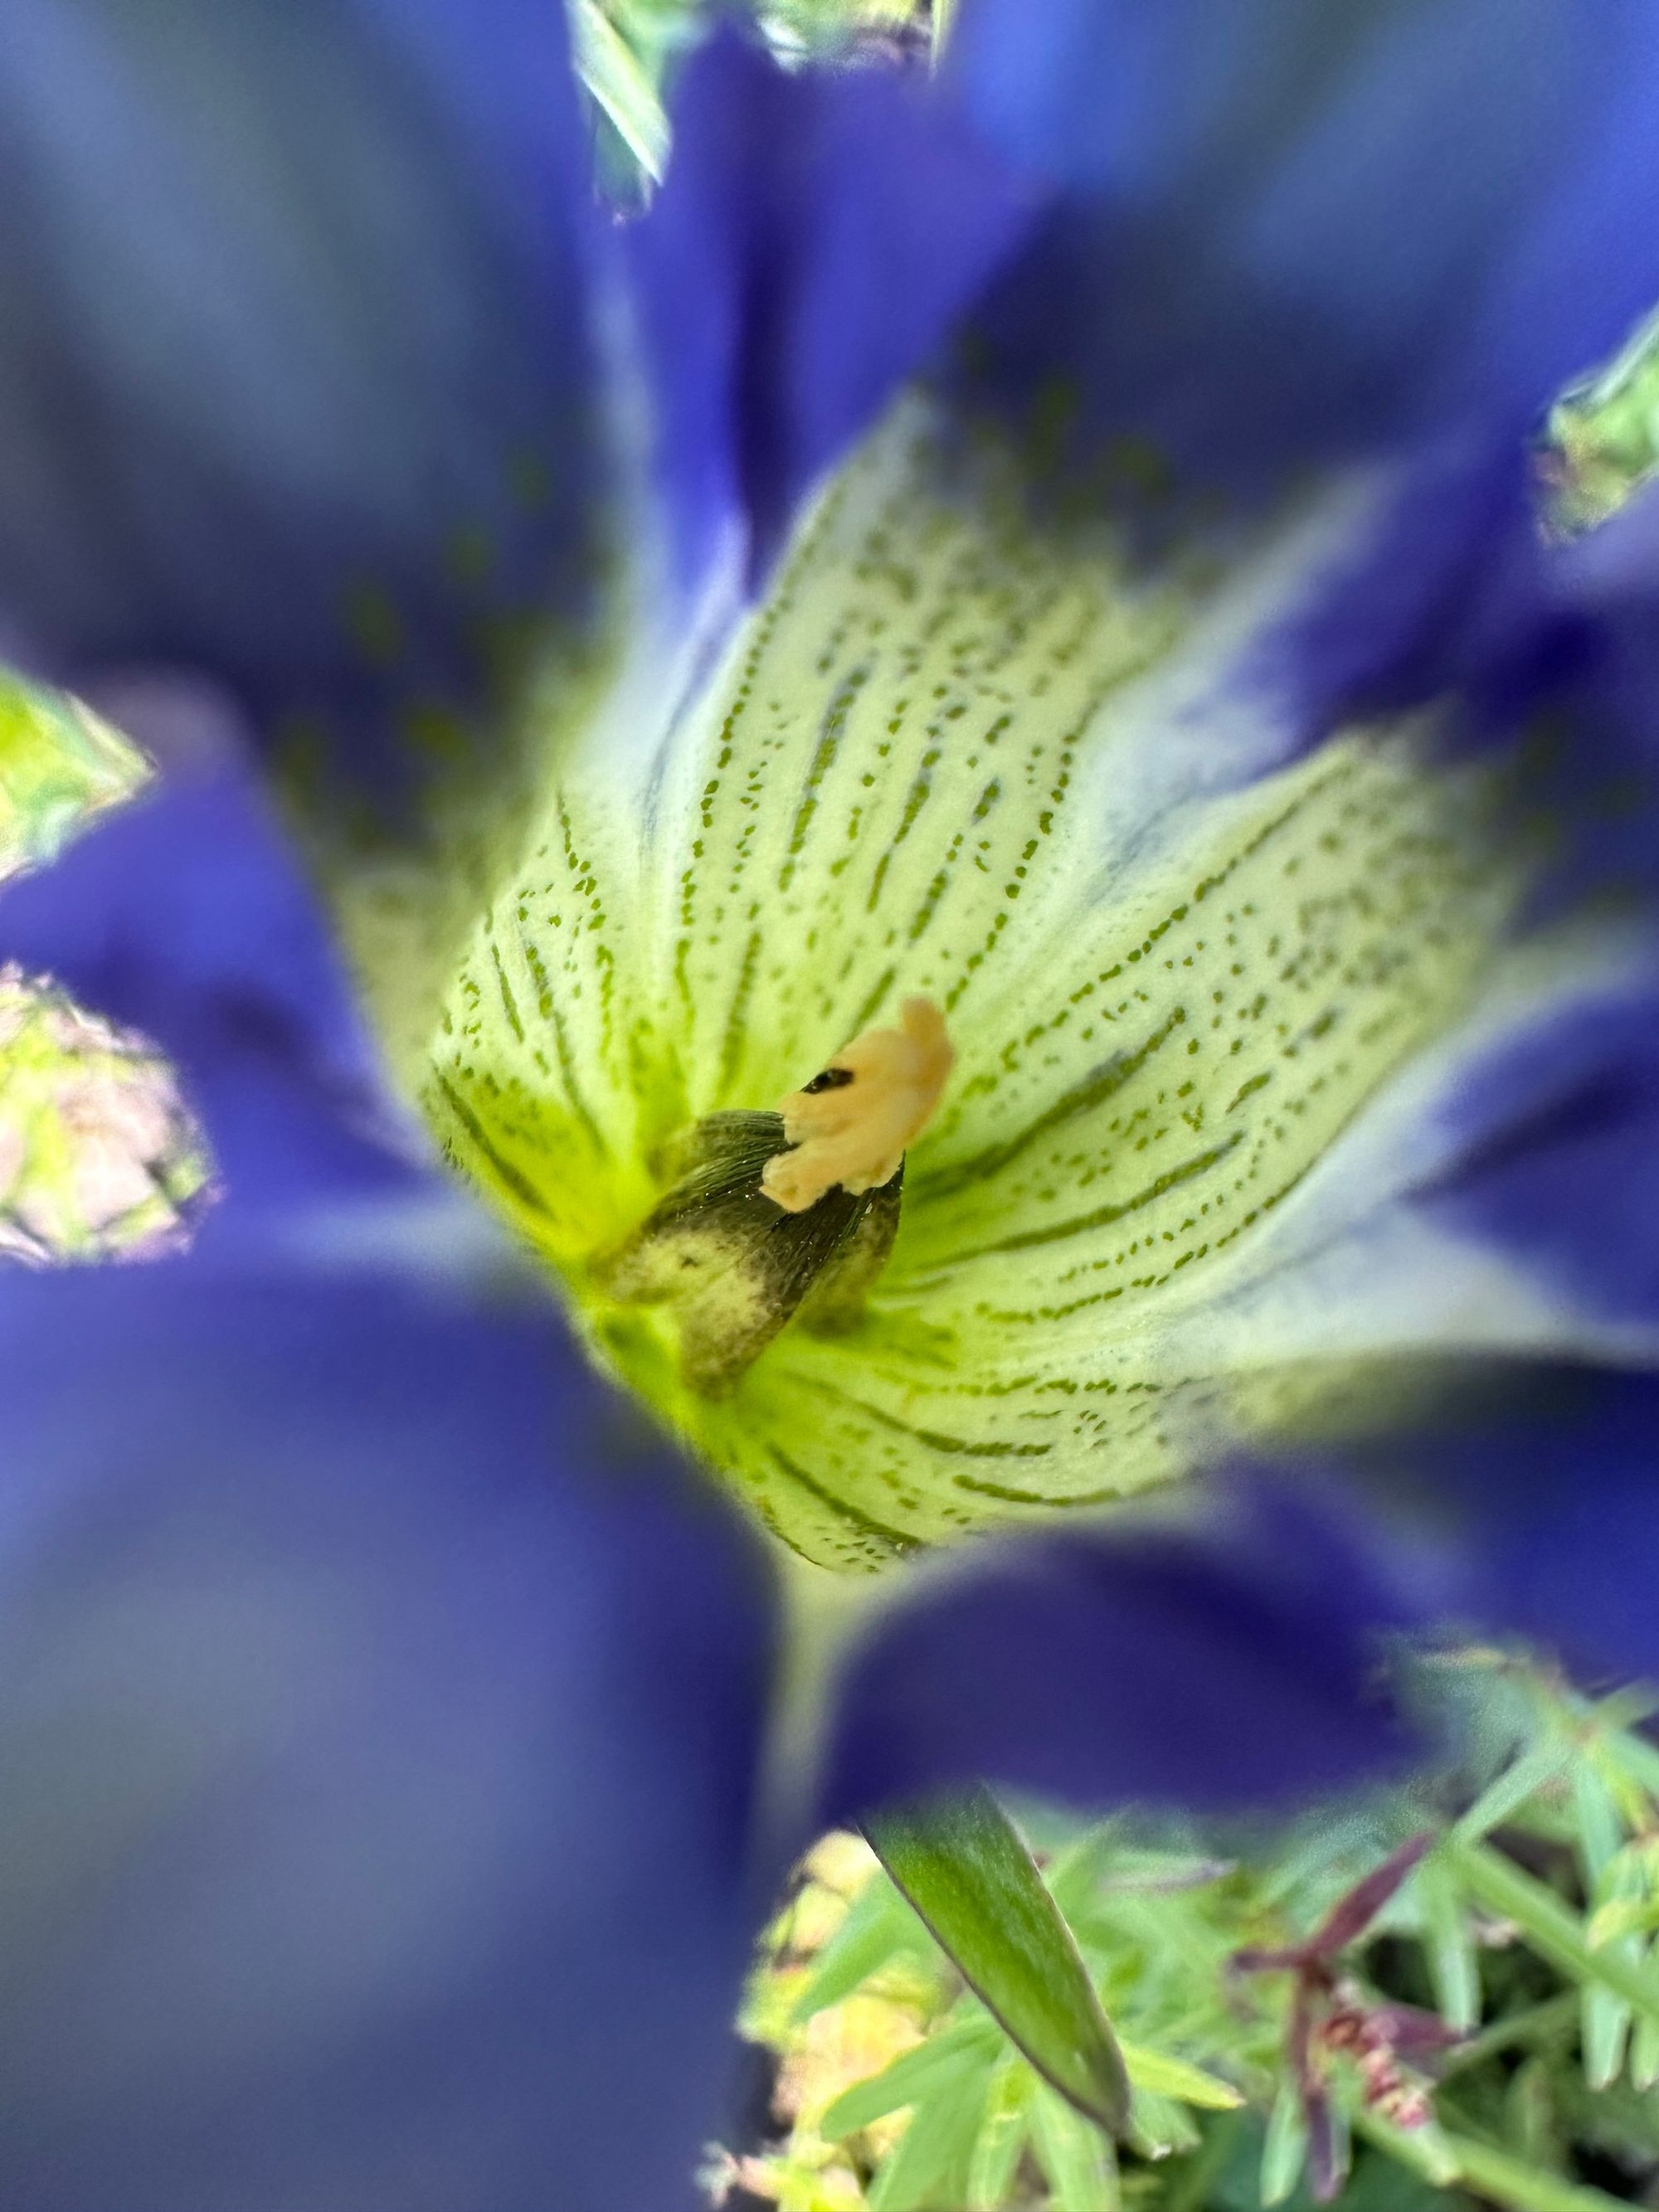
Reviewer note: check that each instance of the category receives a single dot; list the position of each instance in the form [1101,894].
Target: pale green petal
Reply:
[958,755]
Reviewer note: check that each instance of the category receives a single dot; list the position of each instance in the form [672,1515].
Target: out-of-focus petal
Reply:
[378,1727]
[1561,1125]
[1290,232]
[294,357]
[1537,1486]
[816,236]
[184,916]
[1226,1664]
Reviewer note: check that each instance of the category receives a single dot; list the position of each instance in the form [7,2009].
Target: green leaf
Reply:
[1621,1915]
[1532,1772]
[1163,2076]
[931,2162]
[962,1866]
[924,2072]
[1548,1926]
[1078,2159]
[1450,1947]
[879,1927]
[1001,2137]
[1285,2148]
[1159,2126]
[614,74]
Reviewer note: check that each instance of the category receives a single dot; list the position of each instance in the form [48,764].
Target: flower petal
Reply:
[379,1732]
[1560,1134]
[1289,233]
[959,753]
[1531,1488]
[817,235]
[294,367]
[1223,1664]
[183,916]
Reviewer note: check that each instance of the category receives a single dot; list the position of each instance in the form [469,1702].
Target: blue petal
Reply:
[377,1731]
[1558,1131]
[184,916]
[1540,1483]
[293,358]
[1289,232]
[1225,1665]
[817,235]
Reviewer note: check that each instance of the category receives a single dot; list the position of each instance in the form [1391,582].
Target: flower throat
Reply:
[959,762]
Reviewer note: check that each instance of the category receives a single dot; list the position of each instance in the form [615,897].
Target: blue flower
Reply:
[1057,543]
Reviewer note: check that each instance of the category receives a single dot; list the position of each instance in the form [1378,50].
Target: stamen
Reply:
[771,1216]
[849,1127]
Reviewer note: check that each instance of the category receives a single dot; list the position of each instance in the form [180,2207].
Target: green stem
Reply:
[1511,2181]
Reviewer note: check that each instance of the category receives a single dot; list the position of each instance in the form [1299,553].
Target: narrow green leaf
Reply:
[1285,2146]
[1078,2160]
[1533,1771]
[614,74]
[1621,1915]
[879,1927]
[1552,1930]
[1644,2052]
[1609,1877]
[1163,2076]
[970,1878]
[1450,1949]
[930,2164]
[1001,2137]
[1159,2127]
[915,2074]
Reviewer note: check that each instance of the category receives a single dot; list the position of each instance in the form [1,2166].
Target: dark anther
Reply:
[735,1268]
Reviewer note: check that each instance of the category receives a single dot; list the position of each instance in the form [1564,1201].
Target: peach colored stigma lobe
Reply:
[851,1125]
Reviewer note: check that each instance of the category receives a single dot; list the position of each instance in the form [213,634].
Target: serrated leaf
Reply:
[965,1868]
[1076,2156]
[964,2048]
[1165,2076]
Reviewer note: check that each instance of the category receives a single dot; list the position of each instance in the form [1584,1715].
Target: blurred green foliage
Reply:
[59,765]
[100,1158]
[1602,439]
[1527,1930]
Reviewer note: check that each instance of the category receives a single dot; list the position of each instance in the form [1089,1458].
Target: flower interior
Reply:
[1007,768]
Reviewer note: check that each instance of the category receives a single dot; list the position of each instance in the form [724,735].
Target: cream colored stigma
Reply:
[850,1125]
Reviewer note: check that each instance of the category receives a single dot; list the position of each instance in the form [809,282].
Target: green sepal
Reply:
[961,1865]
